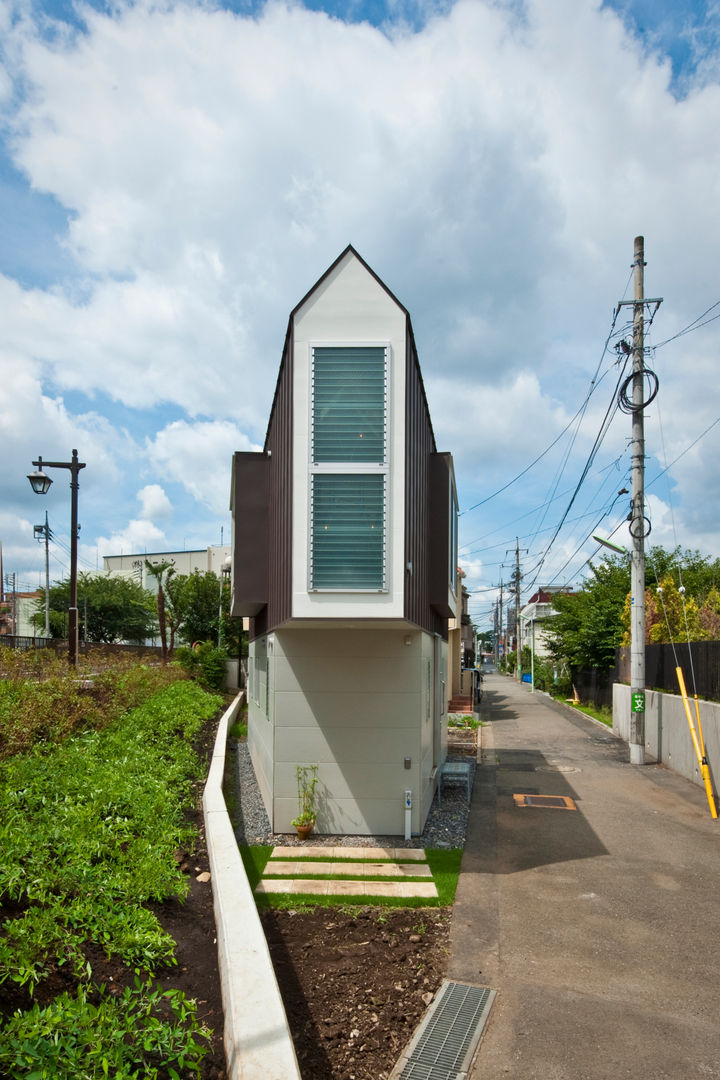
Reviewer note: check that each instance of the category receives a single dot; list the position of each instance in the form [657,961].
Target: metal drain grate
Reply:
[552,802]
[444,1045]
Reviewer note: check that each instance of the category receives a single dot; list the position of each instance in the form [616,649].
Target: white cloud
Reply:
[137,536]
[154,502]
[199,457]
[493,168]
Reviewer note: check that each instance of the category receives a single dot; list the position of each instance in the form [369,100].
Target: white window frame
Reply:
[349,468]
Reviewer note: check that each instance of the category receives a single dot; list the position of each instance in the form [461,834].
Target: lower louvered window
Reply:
[348,531]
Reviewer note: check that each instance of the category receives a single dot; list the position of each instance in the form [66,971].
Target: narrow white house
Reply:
[344,557]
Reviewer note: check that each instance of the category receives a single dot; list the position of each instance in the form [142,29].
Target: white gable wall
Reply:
[350,307]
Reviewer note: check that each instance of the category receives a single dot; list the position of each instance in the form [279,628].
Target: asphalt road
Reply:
[599,927]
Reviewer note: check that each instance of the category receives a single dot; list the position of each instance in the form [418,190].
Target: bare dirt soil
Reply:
[355,985]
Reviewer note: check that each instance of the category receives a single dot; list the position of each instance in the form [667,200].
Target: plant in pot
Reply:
[306,781]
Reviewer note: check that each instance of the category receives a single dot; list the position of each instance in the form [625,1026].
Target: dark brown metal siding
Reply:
[419,452]
[279,445]
[250,533]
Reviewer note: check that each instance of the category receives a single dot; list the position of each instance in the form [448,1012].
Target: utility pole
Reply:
[43,531]
[516,578]
[637,521]
[501,650]
[639,525]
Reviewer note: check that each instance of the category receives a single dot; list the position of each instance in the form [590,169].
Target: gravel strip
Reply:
[445,826]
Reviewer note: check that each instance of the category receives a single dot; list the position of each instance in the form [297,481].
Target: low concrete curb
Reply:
[257,1039]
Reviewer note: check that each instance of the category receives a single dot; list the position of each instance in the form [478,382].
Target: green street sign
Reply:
[637,701]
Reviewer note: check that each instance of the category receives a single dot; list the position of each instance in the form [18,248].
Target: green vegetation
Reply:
[204,662]
[466,721]
[110,609]
[124,1036]
[89,829]
[238,731]
[605,716]
[41,703]
[593,621]
[307,779]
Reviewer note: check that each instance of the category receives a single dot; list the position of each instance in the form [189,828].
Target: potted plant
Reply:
[306,781]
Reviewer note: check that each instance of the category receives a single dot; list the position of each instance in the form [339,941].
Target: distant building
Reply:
[185,562]
[344,557]
[16,612]
[534,618]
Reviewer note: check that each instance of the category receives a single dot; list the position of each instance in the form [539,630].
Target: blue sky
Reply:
[175,176]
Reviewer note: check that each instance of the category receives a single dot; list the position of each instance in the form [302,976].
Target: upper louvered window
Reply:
[349,404]
[349,466]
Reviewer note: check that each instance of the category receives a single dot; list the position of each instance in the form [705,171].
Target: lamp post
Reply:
[40,483]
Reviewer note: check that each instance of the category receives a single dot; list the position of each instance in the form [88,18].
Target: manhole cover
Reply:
[551,802]
[557,768]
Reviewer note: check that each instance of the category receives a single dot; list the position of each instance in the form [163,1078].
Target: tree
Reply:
[588,626]
[202,603]
[709,616]
[110,608]
[592,622]
[161,571]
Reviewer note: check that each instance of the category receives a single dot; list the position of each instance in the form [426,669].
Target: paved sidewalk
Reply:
[598,927]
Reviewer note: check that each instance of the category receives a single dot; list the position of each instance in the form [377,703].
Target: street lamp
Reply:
[40,483]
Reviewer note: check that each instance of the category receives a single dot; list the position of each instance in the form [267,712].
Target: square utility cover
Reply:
[552,802]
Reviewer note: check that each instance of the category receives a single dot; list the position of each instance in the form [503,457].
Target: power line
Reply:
[594,384]
[694,325]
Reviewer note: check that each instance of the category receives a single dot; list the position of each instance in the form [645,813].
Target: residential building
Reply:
[534,618]
[16,614]
[344,557]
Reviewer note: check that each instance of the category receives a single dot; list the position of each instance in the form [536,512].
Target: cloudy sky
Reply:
[174,177]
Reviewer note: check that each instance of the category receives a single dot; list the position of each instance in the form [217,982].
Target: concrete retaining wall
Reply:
[667,735]
[257,1039]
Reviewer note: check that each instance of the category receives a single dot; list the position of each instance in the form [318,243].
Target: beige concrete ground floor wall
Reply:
[366,706]
[667,733]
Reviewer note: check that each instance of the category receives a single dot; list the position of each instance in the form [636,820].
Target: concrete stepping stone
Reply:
[399,889]
[288,868]
[313,851]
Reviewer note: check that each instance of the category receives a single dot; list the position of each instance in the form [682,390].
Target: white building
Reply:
[344,556]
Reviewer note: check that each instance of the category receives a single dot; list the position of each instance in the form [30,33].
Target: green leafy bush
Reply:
[41,701]
[205,662]
[88,835]
[142,1032]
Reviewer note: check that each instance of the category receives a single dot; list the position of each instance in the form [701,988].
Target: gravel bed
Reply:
[445,826]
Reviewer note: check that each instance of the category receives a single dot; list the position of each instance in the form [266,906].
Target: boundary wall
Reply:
[258,1045]
[667,735]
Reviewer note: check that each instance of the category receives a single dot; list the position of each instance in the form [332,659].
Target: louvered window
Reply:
[349,404]
[348,483]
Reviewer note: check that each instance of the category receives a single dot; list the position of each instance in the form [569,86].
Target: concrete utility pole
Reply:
[639,524]
[501,650]
[637,518]
[516,579]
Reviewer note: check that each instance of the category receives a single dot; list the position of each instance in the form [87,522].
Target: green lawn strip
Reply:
[444,863]
[254,859]
[603,715]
